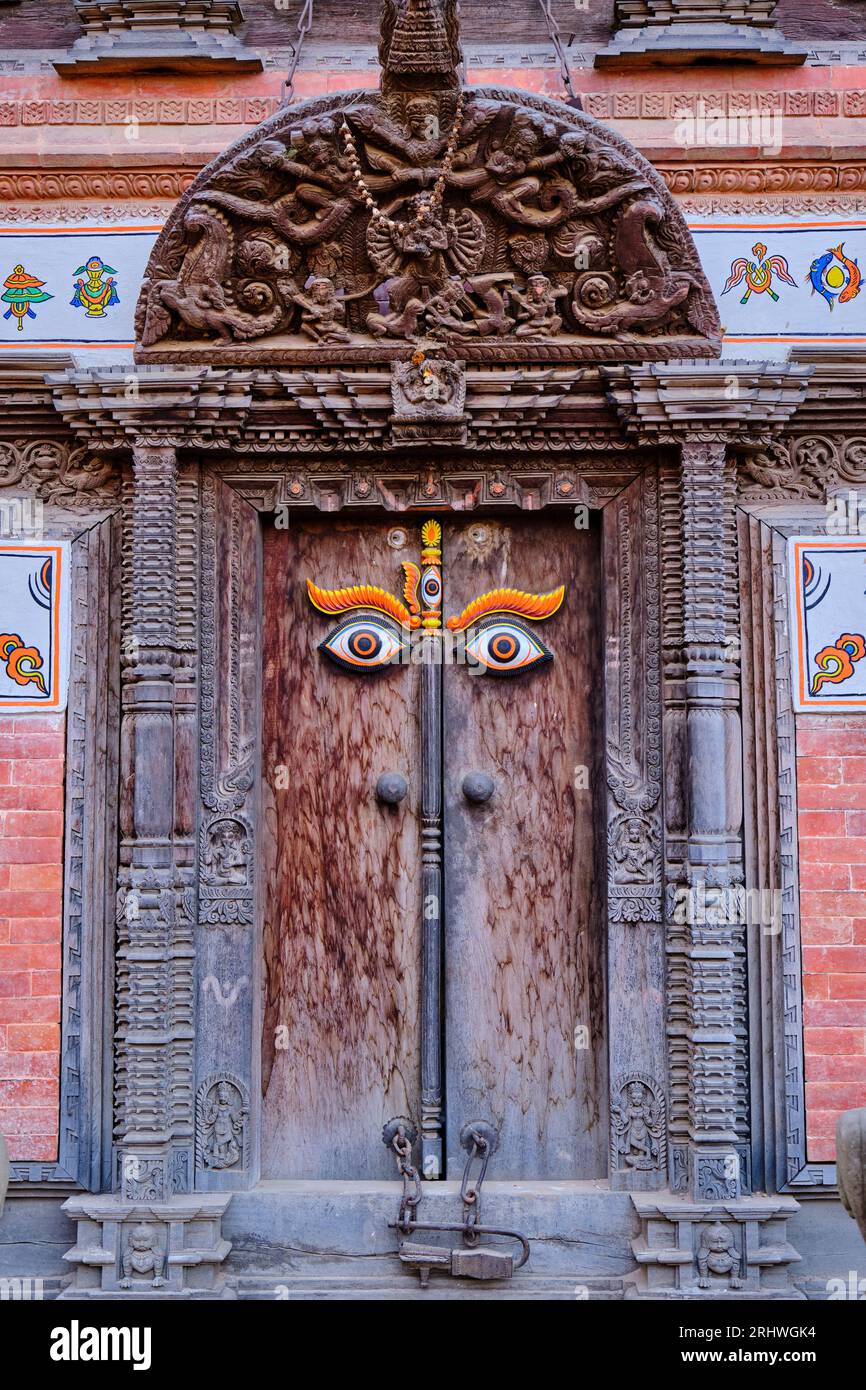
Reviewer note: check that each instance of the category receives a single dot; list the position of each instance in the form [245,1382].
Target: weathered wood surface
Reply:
[342,872]
[524,872]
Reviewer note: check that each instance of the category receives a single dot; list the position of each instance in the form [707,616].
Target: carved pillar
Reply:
[154,1107]
[149,1238]
[706,934]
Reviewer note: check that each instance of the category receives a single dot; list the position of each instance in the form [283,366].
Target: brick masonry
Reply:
[831,779]
[31,893]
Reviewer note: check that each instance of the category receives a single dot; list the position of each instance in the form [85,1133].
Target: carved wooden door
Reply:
[433,895]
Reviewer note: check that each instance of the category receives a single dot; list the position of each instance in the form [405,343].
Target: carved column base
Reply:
[717,1250]
[653,44]
[143,1250]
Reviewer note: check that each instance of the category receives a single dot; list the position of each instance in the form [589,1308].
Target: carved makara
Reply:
[426,212]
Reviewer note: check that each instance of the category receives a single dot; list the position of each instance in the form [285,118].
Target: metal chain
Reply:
[402,1146]
[470,1191]
[305,23]
[556,40]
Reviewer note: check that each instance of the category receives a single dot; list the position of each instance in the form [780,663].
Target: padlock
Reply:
[482,1262]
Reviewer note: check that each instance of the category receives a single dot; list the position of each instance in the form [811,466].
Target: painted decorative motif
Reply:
[377,630]
[94,294]
[21,291]
[835,276]
[828,604]
[758,274]
[89,265]
[34,627]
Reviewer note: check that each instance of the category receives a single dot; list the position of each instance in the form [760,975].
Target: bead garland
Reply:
[435,198]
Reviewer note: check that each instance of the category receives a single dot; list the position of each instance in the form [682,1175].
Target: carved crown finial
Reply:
[419,37]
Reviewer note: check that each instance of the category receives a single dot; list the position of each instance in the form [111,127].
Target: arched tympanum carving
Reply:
[492,223]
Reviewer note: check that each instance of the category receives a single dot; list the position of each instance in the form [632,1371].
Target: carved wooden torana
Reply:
[486,221]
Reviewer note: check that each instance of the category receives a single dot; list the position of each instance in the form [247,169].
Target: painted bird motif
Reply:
[758,274]
[834,276]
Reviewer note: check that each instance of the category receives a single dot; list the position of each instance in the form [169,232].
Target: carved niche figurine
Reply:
[631,853]
[428,396]
[638,1124]
[221,1124]
[351,221]
[225,858]
[142,1259]
[718,1257]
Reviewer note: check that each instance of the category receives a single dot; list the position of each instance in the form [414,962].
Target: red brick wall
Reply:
[831,792]
[31,886]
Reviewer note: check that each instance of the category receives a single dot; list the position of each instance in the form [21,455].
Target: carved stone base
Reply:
[695,43]
[718,1250]
[144,1250]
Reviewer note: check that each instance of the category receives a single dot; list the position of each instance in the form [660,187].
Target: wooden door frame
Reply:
[227,945]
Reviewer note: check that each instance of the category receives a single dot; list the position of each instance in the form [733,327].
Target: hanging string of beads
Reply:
[430,205]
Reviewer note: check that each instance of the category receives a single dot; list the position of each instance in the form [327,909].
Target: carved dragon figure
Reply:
[199,297]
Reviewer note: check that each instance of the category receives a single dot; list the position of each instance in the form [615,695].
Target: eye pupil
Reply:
[365,644]
[503,647]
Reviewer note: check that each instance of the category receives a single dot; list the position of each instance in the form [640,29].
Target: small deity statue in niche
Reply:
[142,1258]
[631,853]
[222,1127]
[639,1124]
[225,858]
[718,1254]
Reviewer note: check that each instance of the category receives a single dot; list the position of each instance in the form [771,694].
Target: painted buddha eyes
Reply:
[364,643]
[431,588]
[505,647]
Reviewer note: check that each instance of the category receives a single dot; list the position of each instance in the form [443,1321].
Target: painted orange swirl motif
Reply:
[23,664]
[836,663]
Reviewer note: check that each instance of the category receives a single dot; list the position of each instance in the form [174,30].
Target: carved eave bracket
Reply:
[342,411]
[483,225]
[744,402]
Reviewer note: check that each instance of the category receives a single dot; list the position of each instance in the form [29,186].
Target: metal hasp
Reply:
[471,1260]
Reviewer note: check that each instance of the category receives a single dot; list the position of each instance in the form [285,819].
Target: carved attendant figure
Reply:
[222,1125]
[718,1254]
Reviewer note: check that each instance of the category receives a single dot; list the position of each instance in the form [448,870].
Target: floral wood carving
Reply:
[55,472]
[491,220]
[807,467]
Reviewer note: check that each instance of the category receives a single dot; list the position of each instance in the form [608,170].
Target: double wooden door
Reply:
[516,704]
